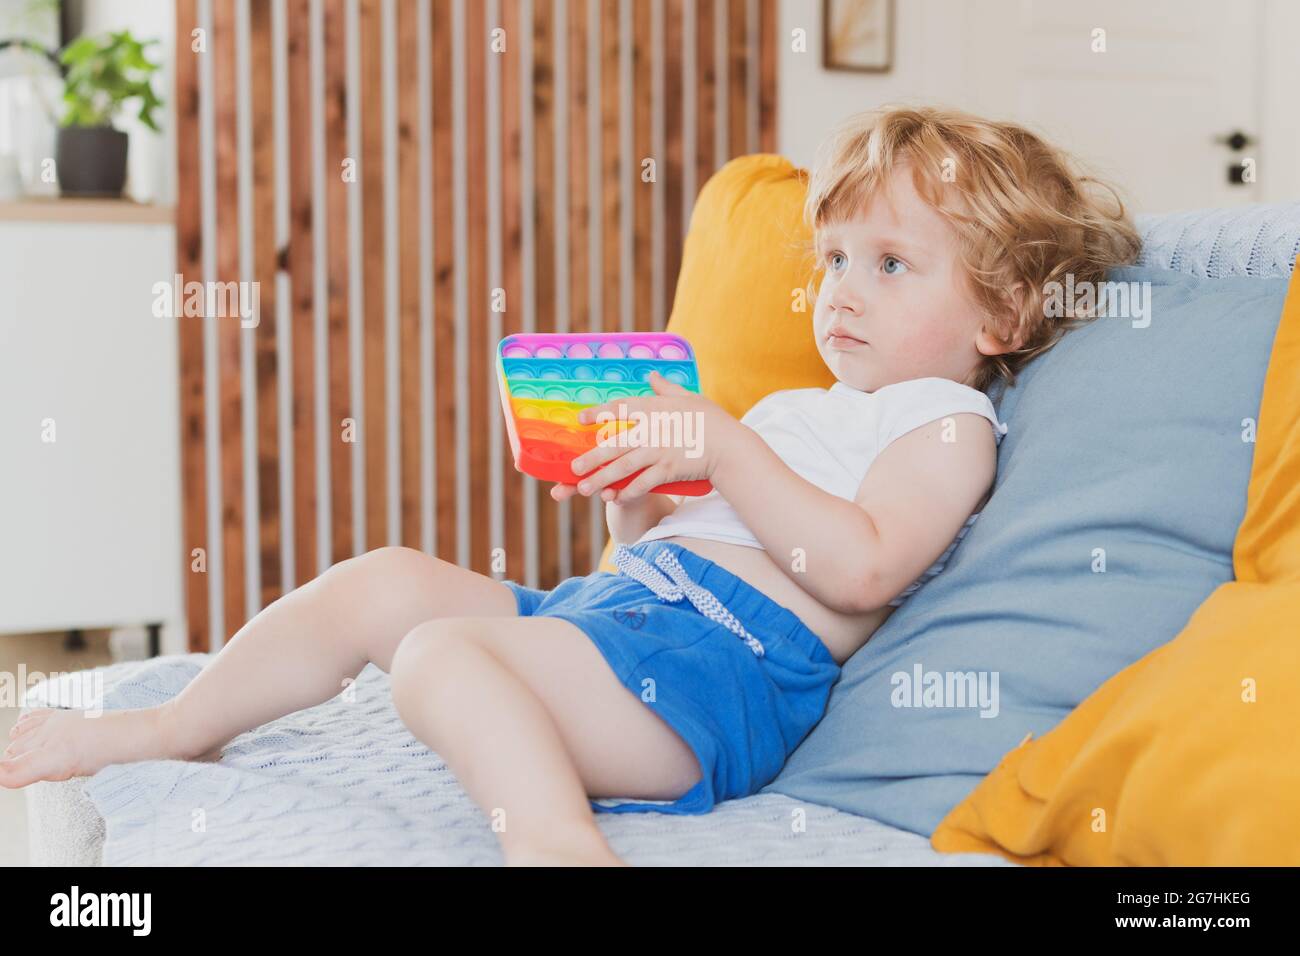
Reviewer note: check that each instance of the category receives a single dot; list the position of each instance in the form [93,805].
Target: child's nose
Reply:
[845,299]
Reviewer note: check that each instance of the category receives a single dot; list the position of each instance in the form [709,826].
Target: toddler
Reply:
[688,677]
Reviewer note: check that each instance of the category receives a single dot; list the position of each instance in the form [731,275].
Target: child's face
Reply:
[893,304]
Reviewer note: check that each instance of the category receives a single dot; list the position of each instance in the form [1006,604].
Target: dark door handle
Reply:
[1236,140]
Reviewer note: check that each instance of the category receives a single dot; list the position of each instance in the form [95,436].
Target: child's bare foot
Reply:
[54,744]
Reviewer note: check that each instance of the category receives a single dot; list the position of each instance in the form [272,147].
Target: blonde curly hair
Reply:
[1024,213]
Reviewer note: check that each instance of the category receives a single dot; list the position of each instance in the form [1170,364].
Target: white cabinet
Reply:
[89,441]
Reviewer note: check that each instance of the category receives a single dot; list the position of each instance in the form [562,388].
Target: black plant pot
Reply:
[91,161]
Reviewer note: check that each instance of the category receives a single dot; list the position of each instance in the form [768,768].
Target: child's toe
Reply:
[31,766]
[22,729]
[16,771]
[32,718]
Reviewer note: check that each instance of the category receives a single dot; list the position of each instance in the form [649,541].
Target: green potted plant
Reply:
[103,75]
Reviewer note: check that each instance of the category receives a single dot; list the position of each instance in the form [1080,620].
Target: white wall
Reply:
[929,65]
[938,60]
[1280,70]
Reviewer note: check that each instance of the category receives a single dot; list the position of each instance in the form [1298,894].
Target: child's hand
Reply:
[674,435]
[563,492]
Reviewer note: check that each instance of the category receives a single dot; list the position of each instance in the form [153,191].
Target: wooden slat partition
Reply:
[642,150]
[408,154]
[768,45]
[578,214]
[612,162]
[444,281]
[264,270]
[193,411]
[476,52]
[372,257]
[230,333]
[302,270]
[738,58]
[579,240]
[706,90]
[512,212]
[673,160]
[543,250]
[339,374]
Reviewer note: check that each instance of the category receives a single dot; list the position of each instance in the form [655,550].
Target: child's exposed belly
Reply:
[841,633]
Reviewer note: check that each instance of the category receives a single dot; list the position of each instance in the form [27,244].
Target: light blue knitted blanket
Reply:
[345,783]
[1259,239]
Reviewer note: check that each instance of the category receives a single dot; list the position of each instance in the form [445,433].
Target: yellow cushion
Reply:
[741,293]
[1188,756]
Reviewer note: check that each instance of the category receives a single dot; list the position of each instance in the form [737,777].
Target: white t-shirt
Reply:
[830,437]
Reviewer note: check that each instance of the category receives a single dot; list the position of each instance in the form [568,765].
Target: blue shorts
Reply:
[741,714]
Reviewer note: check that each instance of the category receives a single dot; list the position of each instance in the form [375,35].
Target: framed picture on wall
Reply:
[858,35]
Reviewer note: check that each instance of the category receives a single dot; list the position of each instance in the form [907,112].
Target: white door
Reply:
[1147,93]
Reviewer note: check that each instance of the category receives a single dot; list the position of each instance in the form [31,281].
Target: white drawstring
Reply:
[668,580]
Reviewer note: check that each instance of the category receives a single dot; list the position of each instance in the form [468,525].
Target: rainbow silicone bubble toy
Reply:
[546,378]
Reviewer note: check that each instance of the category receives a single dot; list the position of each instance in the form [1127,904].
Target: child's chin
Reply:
[851,370]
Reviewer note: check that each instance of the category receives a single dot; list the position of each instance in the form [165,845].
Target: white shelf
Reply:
[54,209]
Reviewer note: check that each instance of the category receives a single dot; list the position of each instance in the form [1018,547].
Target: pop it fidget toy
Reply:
[545,379]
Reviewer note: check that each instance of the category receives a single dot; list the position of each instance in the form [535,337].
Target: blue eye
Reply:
[885,265]
[835,259]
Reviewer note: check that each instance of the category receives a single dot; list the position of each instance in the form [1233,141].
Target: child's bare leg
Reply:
[294,654]
[532,720]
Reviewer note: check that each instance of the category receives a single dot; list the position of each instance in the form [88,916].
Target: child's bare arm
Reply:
[858,555]
[627,520]
[852,556]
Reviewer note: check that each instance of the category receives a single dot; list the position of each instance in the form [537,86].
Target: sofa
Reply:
[346,783]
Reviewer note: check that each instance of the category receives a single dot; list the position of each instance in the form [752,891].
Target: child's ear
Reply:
[989,342]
